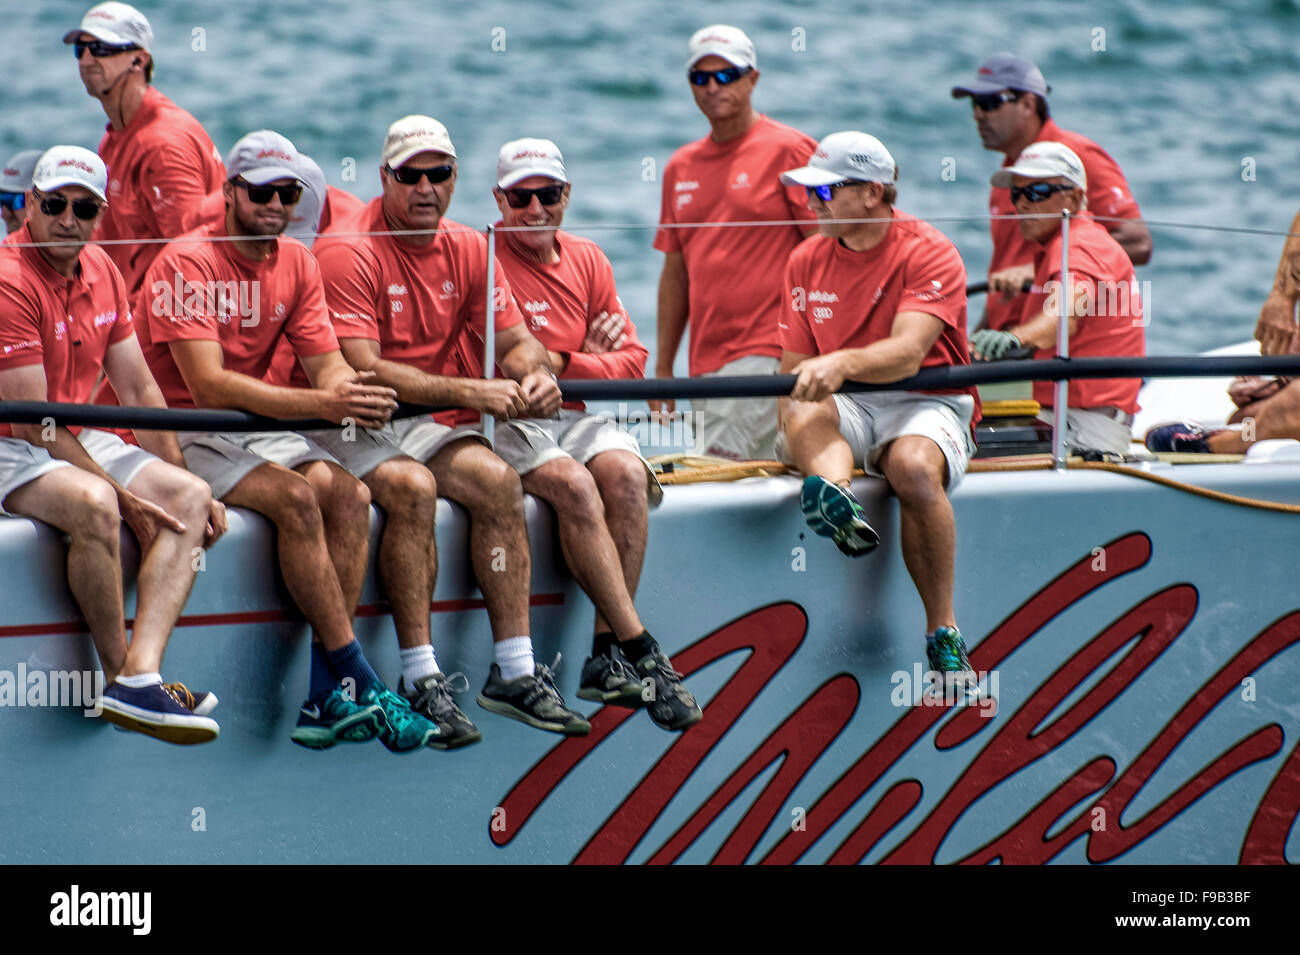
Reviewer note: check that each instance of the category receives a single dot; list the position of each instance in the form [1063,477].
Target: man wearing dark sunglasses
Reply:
[1009,100]
[876,300]
[64,320]
[215,307]
[14,183]
[585,466]
[730,175]
[163,161]
[1105,313]
[412,309]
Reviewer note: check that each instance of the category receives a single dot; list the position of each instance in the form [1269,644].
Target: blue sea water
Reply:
[1198,102]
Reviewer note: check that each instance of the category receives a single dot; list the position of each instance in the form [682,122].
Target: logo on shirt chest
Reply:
[741,181]
[821,308]
[395,303]
[535,317]
[448,290]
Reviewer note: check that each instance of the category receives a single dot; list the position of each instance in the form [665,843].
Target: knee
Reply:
[411,491]
[296,509]
[102,521]
[623,487]
[499,489]
[575,493]
[191,501]
[915,477]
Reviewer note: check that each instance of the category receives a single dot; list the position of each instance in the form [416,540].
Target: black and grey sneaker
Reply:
[669,704]
[533,700]
[431,697]
[610,679]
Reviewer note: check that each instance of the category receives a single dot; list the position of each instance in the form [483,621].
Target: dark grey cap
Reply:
[1005,71]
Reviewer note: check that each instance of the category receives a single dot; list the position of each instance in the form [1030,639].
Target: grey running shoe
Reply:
[431,697]
[533,700]
[610,679]
[669,704]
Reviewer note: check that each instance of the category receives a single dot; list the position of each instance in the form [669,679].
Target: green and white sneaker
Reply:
[405,730]
[832,511]
[946,652]
[337,719]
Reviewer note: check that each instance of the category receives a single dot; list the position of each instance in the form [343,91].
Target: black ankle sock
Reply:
[638,646]
[601,643]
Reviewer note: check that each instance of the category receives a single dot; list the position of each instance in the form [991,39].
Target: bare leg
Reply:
[1275,417]
[407,564]
[812,433]
[917,471]
[621,479]
[470,474]
[588,548]
[287,500]
[345,506]
[84,507]
[167,570]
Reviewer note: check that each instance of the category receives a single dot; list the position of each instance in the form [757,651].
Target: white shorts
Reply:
[1093,431]
[529,443]
[740,428]
[869,421]
[422,438]
[224,458]
[21,462]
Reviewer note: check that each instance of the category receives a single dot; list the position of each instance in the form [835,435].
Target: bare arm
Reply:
[129,374]
[891,359]
[674,308]
[1134,238]
[525,359]
[1040,331]
[1276,328]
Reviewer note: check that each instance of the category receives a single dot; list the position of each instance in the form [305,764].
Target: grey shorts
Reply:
[223,459]
[529,443]
[21,462]
[360,450]
[739,428]
[869,421]
[422,438]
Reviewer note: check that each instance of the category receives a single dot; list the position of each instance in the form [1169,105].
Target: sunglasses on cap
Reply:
[724,77]
[988,102]
[1038,191]
[410,175]
[522,198]
[261,195]
[824,193]
[84,209]
[99,49]
[13,201]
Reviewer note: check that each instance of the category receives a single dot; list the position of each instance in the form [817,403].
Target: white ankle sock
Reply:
[417,663]
[515,657]
[140,680]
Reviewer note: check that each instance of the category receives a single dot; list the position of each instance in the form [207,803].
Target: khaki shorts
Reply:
[529,443]
[1092,431]
[422,438]
[21,463]
[223,458]
[869,421]
[359,450]
[739,428]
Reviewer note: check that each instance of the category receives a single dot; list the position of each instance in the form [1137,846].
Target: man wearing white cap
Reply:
[731,175]
[412,310]
[64,319]
[1105,315]
[877,302]
[213,312]
[1009,99]
[14,183]
[161,161]
[585,466]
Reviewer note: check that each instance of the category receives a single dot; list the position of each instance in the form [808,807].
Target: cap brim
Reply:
[51,186]
[810,176]
[264,174]
[106,36]
[403,157]
[1002,179]
[978,89]
[741,63]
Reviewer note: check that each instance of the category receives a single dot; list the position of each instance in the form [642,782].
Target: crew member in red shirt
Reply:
[1009,98]
[731,175]
[585,466]
[213,312]
[412,310]
[877,302]
[1106,315]
[64,319]
[14,183]
[161,162]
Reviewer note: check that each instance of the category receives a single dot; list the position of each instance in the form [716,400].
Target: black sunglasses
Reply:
[989,102]
[522,198]
[410,175]
[1038,191]
[261,195]
[13,201]
[99,49]
[724,77]
[84,209]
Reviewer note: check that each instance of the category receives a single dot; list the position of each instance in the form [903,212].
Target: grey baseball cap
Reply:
[18,171]
[1005,71]
[264,156]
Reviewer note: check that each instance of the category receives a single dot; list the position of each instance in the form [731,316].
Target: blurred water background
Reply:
[1198,102]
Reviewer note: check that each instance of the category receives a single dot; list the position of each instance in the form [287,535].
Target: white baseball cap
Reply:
[18,171]
[1044,160]
[118,23]
[304,222]
[61,166]
[846,155]
[264,156]
[521,158]
[415,134]
[721,40]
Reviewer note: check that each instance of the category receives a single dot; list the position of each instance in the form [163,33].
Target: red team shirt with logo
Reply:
[560,299]
[1108,195]
[160,168]
[424,305]
[1100,264]
[65,325]
[186,296]
[734,273]
[837,298]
